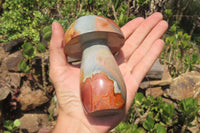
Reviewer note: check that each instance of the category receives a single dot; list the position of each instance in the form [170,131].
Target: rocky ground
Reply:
[21,97]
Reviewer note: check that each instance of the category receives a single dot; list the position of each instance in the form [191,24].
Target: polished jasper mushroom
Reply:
[94,40]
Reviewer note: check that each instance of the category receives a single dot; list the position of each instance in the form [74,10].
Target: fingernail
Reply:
[54,26]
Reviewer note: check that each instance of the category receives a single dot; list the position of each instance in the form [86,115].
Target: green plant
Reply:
[23,66]
[29,52]
[50,117]
[188,110]
[156,116]
[186,13]
[180,53]
[142,2]
[150,114]
[47,33]
[25,19]
[11,126]
[128,128]
[168,14]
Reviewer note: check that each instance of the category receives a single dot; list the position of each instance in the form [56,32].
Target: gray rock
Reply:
[8,47]
[156,71]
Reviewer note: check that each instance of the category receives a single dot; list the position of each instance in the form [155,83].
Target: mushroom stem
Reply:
[103,91]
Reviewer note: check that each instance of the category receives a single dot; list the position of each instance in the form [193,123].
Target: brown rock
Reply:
[33,122]
[184,86]
[30,99]
[147,84]
[13,79]
[3,54]
[167,101]
[4,90]
[155,92]
[13,60]
[166,75]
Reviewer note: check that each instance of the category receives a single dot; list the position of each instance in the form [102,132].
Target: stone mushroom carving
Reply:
[94,40]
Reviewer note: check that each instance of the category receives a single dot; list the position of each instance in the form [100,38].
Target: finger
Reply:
[56,52]
[141,51]
[127,30]
[130,27]
[140,33]
[140,70]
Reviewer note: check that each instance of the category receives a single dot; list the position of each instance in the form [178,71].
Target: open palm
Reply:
[142,47]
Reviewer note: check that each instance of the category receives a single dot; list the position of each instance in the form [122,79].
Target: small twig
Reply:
[184,127]
[114,12]
[36,82]
[141,118]
[81,6]
[167,62]
[59,12]
[198,91]
[128,10]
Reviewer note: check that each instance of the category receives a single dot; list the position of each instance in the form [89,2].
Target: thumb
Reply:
[56,50]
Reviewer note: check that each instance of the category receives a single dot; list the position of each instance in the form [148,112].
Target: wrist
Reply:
[67,123]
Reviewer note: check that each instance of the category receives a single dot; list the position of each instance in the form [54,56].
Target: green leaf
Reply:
[142,2]
[17,123]
[148,102]
[195,57]
[41,47]
[188,109]
[148,124]
[29,51]
[141,130]
[157,117]
[47,36]
[151,114]
[7,132]
[186,37]
[168,12]
[122,126]
[173,28]
[22,66]
[180,35]
[8,125]
[139,97]
[166,111]
[159,128]
[46,29]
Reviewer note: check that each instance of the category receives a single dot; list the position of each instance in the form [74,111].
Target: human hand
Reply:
[142,47]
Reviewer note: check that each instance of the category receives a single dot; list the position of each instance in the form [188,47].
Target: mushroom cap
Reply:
[89,29]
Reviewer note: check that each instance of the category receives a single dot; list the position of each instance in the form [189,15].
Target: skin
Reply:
[142,47]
